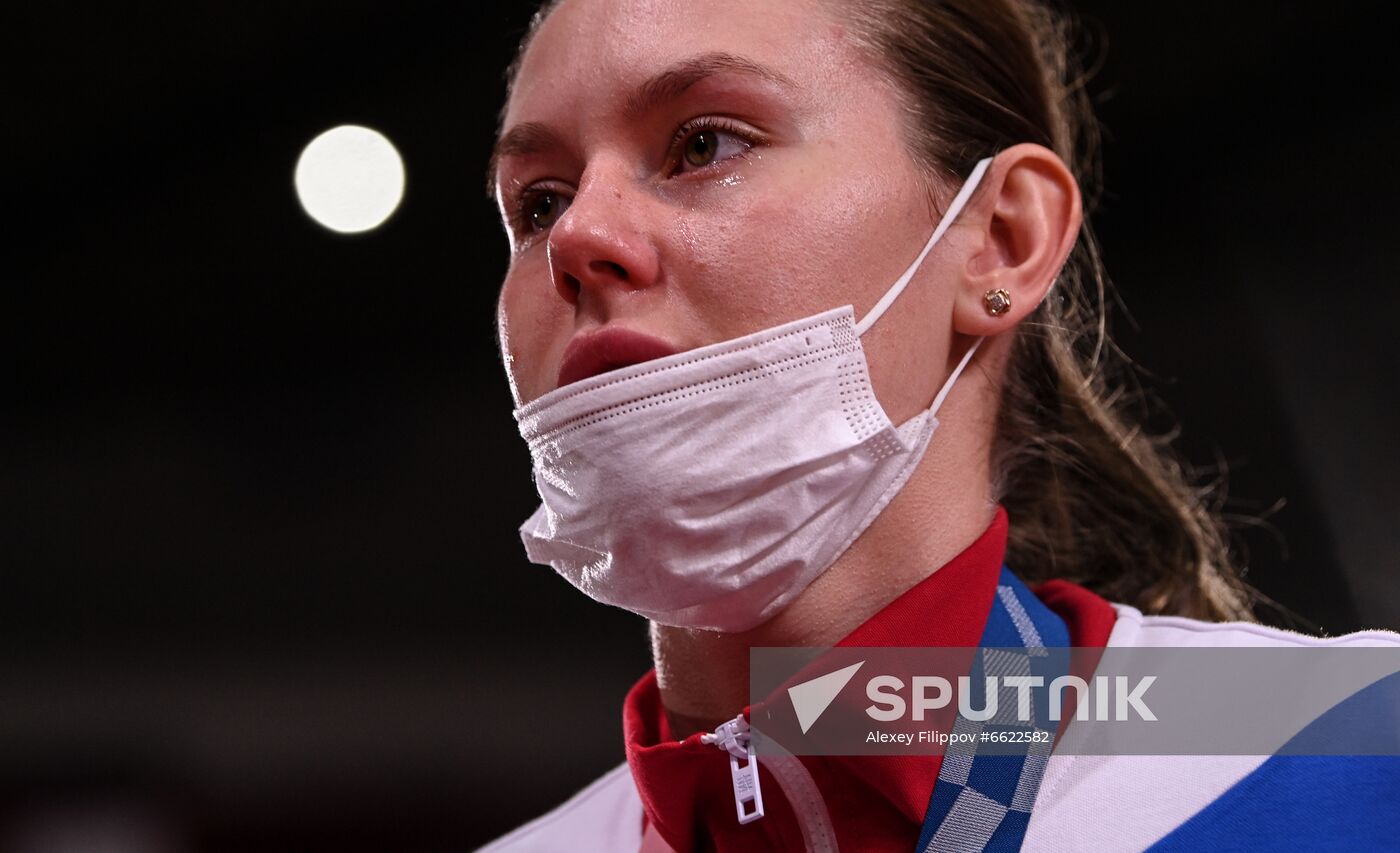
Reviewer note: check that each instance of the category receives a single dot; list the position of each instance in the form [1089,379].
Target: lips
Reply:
[608,348]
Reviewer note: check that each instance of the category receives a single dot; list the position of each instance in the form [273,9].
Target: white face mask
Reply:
[709,488]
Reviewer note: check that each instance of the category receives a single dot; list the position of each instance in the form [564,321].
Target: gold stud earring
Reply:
[997,302]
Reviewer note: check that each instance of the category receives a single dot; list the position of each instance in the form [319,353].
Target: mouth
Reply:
[608,348]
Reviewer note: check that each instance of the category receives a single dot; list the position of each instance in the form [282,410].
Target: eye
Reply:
[539,209]
[544,207]
[701,147]
[705,142]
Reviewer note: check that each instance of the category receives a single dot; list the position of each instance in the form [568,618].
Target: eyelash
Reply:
[520,217]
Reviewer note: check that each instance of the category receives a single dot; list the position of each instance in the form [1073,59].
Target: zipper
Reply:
[733,737]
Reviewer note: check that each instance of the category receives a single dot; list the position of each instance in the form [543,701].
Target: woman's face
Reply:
[676,174]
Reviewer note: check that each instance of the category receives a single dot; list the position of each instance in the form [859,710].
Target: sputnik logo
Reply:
[811,698]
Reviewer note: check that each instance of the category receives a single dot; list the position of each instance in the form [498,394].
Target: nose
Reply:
[599,248]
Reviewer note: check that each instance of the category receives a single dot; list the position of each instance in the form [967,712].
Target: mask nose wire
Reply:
[959,201]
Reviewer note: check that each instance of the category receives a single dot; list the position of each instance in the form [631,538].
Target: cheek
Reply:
[800,244]
[534,326]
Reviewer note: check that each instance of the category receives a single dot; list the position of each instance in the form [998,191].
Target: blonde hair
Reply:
[1092,497]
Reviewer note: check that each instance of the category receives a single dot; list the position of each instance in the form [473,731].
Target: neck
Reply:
[945,505]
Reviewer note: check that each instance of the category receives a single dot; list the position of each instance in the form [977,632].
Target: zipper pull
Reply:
[733,738]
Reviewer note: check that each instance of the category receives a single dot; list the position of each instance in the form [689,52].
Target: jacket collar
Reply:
[875,802]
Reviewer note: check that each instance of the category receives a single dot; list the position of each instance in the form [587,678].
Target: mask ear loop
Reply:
[953,377]
[959,201]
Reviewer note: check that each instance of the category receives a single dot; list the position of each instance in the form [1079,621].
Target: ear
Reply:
[1028,216]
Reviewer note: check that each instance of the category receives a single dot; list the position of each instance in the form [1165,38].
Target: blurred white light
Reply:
[350,179]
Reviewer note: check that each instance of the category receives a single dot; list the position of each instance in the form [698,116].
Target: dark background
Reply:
[259,483]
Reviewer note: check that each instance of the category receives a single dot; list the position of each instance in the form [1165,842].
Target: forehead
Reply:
[593,51]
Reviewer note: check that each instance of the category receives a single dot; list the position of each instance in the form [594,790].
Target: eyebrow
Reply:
[672,82]
[532,137]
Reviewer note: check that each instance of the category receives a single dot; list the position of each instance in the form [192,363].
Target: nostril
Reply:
[611,268]
[568,287]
